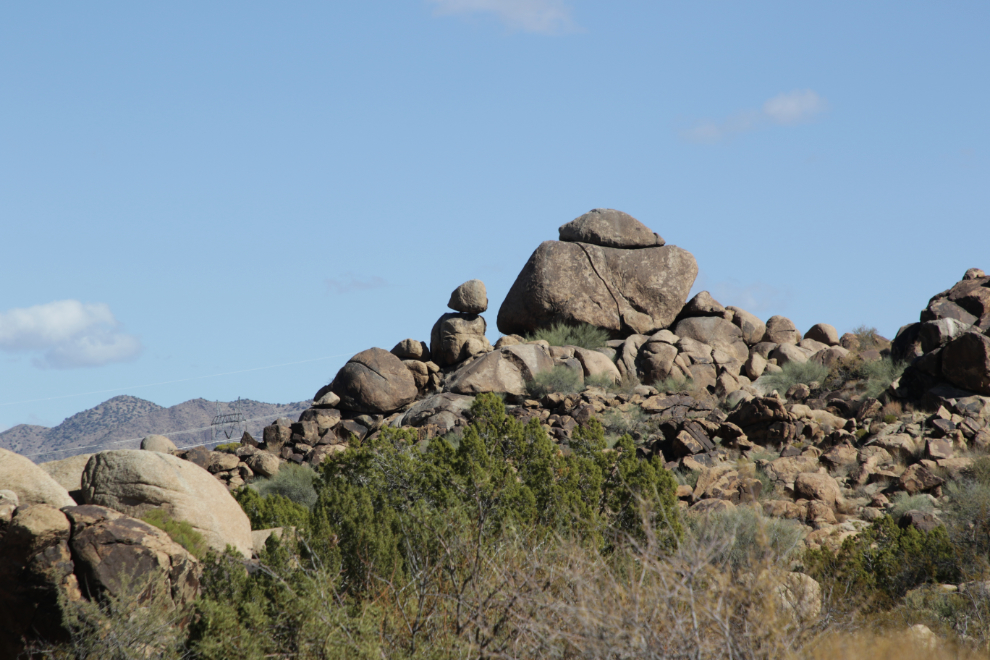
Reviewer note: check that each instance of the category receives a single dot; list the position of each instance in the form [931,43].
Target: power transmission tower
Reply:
[229,424]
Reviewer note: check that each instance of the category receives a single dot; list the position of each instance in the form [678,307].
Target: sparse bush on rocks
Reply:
[560,379]
[675,385]
[583,335]
[794,373]
[179,531]
[880,374]
[294,482]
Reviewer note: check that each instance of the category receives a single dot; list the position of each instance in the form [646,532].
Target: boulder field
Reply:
[825,454]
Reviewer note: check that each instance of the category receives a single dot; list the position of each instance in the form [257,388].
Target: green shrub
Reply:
[979,471]
[882,563]
[889,419]
[272,510]
[902,503]
[178,530]
[674,385]
[603,381]
[229,447]
[560,379]
[560,334]
[755,539]
[793,373]
[880,374]
[292,481]
[869,338]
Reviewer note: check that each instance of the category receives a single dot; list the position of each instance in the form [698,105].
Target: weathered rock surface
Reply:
[457,337]
[134,481]
[109,549]
[781,330]
[504,370]
[966,362]
[622,291]
[609,228]
[35,575]
[158,443]
[412,349]
[824,333]
[753,328]
[374,381]
[68,473]
[31,483]
[469,298]
[703,305]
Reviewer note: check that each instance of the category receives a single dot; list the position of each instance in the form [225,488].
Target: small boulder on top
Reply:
[158,443]
[702,305]
[469,298]
[609,228]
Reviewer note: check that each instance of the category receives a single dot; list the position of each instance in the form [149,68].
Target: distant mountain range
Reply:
[121,423]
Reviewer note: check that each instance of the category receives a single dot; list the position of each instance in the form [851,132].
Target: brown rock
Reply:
[469,298]
[412,349]
[609,228]
[966,362]
[703,305]
[816,486]
[505,370]
[110,548]
[641,291]
[753,329]
[918,478]
[781,330]
[457,337]
[824,333]
[374,381]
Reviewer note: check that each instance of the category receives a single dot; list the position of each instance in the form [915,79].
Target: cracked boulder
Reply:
[374,381]
[505,370]
[625,291]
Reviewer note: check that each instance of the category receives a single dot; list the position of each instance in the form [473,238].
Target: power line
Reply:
[170,382]
[120,442]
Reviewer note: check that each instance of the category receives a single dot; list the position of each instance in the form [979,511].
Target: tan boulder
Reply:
[31,483]
[469,298]
[817,486]
[412,349]
[597,364]
[374,381]
[781,330]
[824,333]
[785,353]
[753,329]
[158,443]
[505,370]
[68,472]
[609,228]
[457,337]
[134,482]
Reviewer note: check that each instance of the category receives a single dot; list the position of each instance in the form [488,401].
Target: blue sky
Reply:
[195,189]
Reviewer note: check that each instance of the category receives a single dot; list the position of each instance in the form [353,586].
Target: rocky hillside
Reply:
[128,417]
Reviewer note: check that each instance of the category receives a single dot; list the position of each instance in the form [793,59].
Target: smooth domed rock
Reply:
[456,337]
[715,332]
[30,482]
[133,482]
[702,305]
[781,330]
[374,381]
[68,472]
[412,349]
[824,333]
[158,443]
[752,327]
[108,546]
[469,298]
[609,228]
[505,370]
[597,365]
[966,362]
[622,291]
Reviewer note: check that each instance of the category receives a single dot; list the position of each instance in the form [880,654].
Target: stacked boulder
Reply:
[608,270]
[950,345]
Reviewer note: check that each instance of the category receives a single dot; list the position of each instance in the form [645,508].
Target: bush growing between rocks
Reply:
[559,380]
[228,447]
[674,385]
[868,337]
[902,503]
[880,374]
[179,531]
[583,335]
[294,482]
[794,373]
[272,510]
[754,539]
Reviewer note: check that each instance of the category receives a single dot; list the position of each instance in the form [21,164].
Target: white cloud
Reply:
[794,107]
[351,282]
[544,16]
[784,109]
[71,334]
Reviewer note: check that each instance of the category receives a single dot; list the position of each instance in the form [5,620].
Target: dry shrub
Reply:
[894,408]
[901,645]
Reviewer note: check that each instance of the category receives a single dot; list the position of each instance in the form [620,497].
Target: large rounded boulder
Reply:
[31,483]
[374,381]
[134,481]
[622,290]
[609,228]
